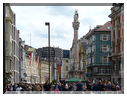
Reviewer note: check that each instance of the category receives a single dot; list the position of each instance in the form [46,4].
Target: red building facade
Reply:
[117,43]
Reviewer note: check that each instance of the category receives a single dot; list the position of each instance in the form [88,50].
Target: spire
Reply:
[90,28]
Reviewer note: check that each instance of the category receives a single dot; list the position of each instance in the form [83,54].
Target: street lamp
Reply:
[47,23]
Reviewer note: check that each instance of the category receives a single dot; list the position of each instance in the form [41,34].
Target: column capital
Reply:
[75,25]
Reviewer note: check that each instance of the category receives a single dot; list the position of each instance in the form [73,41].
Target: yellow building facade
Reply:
[65,68]
[82,57]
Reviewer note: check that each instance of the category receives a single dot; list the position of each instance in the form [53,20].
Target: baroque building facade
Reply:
[97,49]
[117,43]
[12,47]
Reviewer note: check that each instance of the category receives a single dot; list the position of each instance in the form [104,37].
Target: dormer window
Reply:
[108,27]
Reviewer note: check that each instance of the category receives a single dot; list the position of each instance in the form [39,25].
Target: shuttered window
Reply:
[66,67]
[104,59]
[105,48]
[104,37]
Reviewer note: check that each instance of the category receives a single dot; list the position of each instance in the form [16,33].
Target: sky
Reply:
[31,19]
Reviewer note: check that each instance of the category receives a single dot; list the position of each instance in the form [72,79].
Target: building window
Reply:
[114,34]
[122,17]
[104,59]
[104,37]
[114,67]
[93,37]
[67,76]
[103,70]
[67,68]
[89,60]
[118,47]
[66,60]
[105,48]
[93,59]
[108,70]
[122,46]
[119,65]
[119,19]
[122,32]
[93,48]
[119,32]
[113,22]
[99,70]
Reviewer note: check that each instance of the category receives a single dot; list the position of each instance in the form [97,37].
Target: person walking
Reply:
[47,86]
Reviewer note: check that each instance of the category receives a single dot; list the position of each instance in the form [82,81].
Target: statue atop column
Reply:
[76,16]
[76,21]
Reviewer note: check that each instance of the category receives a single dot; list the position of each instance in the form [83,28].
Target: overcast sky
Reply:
[31,19]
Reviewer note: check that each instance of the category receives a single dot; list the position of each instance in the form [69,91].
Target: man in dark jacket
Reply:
[47,86]
[100,86]
[95,87]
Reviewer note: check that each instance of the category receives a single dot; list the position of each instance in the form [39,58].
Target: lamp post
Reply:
[47,23]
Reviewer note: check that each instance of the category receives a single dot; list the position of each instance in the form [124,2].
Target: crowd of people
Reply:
[58,87]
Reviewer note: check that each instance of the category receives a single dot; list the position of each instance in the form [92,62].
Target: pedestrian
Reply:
[14,87]
[25,86]
[74,87]
[84,89]
[56,91]
[113,88]
[47,86]
[122,89]
[29,88]
[66,87]
[109,86]
[60,87]
[39,88]
[95,87]
[71,87]
[63,87]
[8,88]
[18,88]
[79,86]
[100,86]
[32,87]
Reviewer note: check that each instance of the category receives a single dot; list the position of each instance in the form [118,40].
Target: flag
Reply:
[31,57]
[38,60]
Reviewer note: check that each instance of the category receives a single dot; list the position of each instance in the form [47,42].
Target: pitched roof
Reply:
[88,33]
[105,27]
[58,61]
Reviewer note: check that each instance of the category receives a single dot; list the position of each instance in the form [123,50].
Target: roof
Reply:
[58,61]
[105,27]
[101,28]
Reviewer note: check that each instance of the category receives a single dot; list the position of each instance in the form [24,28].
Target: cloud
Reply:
[31,19]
